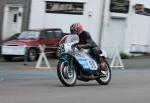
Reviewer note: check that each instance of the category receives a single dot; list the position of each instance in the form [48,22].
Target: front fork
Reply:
[68,71]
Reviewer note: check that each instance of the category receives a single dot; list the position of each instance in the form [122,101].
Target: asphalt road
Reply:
[43,86]
[25,84]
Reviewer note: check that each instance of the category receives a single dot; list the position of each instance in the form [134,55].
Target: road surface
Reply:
[43,86]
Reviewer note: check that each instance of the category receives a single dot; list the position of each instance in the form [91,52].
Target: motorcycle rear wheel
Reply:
[66,73]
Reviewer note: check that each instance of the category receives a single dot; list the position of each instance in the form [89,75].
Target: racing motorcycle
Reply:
[77,64]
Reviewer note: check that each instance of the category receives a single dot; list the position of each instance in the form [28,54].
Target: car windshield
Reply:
[29,35]
[70,38]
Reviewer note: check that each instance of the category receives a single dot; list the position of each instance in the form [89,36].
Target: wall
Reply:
[138,33]
[114,31]
[40,19]
[132,29]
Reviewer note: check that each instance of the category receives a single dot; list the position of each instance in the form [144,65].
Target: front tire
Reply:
[66,73]
[106,78]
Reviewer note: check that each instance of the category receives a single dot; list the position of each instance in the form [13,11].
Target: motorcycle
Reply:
[77,64]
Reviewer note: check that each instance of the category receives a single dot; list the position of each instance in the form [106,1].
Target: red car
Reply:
[29,41]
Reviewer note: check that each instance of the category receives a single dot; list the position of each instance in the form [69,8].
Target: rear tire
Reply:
[107,78]
[8,57]
[32,54]
[66,74]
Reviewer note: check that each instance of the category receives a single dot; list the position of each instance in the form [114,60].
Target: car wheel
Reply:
[8,57]
[32,54]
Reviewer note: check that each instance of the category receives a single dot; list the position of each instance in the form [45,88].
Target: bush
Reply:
[124,55]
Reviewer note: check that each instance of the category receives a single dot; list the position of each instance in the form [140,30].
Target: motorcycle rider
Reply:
[86,41]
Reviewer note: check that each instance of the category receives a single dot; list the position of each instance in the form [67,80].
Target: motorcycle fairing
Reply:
[87,62]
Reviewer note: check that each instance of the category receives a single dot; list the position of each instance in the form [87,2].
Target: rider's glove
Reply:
[79,46]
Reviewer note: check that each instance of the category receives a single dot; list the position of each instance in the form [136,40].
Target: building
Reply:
[14,17]
[62,13]
[48,13]
[114,24]
[127,30]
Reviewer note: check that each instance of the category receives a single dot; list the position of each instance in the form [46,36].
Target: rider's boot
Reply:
[102,65]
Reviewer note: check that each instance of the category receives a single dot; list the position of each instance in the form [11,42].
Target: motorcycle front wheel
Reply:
[66,73]
[105,78]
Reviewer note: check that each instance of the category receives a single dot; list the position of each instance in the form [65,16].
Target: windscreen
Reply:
[69,39]
[29,35]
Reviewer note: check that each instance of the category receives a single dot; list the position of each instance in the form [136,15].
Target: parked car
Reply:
[29,41]
[9,38]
